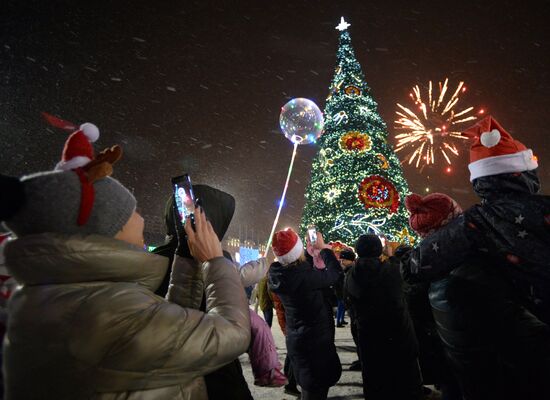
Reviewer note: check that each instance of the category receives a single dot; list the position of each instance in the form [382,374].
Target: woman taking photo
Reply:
[300,285]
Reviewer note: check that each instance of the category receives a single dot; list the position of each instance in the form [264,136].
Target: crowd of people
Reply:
[92,315]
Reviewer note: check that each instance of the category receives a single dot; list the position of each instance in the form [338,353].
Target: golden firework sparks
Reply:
[433,129]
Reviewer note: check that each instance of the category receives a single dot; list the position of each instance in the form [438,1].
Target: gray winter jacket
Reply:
[85,323]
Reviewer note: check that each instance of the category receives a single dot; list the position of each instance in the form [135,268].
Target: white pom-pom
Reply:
[490,139]
[90,131]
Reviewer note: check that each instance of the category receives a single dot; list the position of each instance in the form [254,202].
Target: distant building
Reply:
[247,249]
[243,251]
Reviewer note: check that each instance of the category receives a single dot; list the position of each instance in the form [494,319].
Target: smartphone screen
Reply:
[383,240]
[183,194]
[312,232]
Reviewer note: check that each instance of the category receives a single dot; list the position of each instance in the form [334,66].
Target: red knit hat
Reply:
[494,151]
[287,246]
[431,212]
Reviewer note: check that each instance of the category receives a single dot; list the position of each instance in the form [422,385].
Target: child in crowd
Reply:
[84,321]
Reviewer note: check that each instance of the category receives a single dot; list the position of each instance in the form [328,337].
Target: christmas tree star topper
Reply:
[343,25]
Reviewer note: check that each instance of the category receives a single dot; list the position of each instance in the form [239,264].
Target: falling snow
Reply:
[227,89]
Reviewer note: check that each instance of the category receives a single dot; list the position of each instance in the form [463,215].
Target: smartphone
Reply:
[183,194]
[312,232]
[383,240]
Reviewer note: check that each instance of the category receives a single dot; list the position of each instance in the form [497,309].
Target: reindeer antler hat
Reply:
[84,200]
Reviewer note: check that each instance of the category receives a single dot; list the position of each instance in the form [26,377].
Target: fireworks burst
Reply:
[435,128]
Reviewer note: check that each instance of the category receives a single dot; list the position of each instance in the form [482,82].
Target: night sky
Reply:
[197,86]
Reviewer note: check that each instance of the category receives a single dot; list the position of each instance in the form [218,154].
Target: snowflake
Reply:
[332,194]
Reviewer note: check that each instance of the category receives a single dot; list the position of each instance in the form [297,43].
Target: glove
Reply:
[315,254]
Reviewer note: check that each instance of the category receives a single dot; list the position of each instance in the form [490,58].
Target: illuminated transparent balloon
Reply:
[301,121]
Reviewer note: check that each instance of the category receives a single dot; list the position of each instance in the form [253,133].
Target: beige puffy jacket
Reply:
[85,324]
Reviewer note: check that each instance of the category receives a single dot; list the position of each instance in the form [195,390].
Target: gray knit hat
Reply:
[52,203]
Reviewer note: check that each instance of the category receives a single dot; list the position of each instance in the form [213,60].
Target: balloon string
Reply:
[268,245]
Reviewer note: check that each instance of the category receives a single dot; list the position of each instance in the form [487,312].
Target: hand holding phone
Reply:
[320,242]
[382,239]
[203,241]
[312,234]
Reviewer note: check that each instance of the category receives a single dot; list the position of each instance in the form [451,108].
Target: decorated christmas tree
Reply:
[357,184]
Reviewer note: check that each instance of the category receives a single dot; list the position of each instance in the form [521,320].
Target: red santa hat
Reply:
[494,151]
[287,246]
[78,150]
[431,212]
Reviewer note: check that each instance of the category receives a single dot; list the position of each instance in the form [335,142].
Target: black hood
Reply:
[218,206]
[169,217]
[515,184]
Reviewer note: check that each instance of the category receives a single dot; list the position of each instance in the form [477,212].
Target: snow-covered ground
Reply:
[349,386]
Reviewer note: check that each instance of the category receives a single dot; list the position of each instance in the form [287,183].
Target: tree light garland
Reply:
[356,159]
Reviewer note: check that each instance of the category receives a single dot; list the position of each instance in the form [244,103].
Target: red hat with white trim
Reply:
[495,151]
[78,150]
[287,246]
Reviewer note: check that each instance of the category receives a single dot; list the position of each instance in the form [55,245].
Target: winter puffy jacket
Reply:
[498,349]
[309,337]
[85,324]
[253,271]
[512,225]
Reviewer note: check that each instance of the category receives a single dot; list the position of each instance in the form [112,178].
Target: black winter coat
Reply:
[433,363]
[512,224]
[309,328]
[386,337]
[496,348]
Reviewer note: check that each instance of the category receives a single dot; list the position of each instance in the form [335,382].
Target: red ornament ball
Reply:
[377,192]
